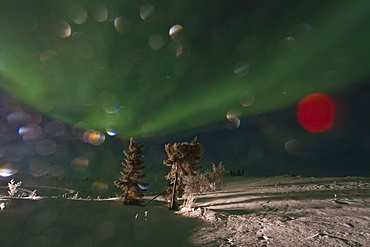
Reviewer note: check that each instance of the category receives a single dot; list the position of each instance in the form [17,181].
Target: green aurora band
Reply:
[113,73]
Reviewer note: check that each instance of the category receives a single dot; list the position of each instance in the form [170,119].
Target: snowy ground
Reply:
[272,211]
[285,211]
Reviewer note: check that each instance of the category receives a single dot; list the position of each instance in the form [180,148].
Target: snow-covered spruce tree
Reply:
[183,159]
[131,174]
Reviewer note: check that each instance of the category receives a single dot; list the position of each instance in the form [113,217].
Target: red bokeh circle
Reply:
[316,113]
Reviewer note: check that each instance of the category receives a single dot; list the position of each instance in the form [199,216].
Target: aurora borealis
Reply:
[78,61]
[233,73]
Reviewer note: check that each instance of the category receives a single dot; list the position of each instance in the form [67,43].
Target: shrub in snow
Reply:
[188,202]
[210,180]
[216,176]
[32,194]
[13,187]
[75,196]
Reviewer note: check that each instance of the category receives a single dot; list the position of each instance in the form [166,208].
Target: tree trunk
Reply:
[173,200]
[125,198]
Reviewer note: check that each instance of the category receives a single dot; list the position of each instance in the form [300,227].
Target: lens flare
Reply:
[79,164]
[316,113]
[100,13]
[93,137]
[175,30]
[38,169]
[18,117]
[7,170]
[99,186]
[147,12]
[287,44]
[47,56]
[63,29]
[77,14]
[241,69]
[302,30]
[112,129]
[56,171]
[122,24]
[46,147]
[85,50]
[118,111]
[55,128]
[233,116]
[246,99]
[156,42]
[293,146]
[31,133]
[142,187]
[233,113]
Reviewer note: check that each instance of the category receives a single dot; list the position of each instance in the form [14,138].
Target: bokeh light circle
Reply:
[85,50]
[55,128]
[316,113]
[77,14]
[56,171]
[302,30]
[147,12]
[38,168]
[287,44]
[246,99]
[156,41]
[233,116]
[7,169]
[175,30]
[79,164]
[241,68]
[31,133]
[18,117]
[93,137]
[47,56]
[63,29]
[122,24]
[100,13]
[46,147]
[99,186]
[293,146]
[112,129]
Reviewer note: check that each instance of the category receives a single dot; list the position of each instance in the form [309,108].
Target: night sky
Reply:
[78,79]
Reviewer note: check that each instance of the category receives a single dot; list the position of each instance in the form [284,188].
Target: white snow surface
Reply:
[270,211]
[284,211]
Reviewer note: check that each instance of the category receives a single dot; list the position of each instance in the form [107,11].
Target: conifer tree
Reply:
[183,158]
[131,174]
